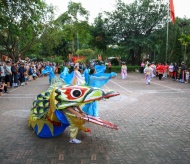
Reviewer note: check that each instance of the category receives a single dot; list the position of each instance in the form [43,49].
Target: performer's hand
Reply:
[83,114]
[79,115]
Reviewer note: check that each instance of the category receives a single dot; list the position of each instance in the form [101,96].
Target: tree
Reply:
[73,27]
[185,40]
[131,25]
[22,22]
[100,36]
[52,38]
[175,47]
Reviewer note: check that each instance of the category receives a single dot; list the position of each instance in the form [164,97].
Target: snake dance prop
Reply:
[48,117]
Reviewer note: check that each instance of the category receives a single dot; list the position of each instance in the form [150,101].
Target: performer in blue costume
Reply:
[67,76]
[48,70]
[95,78]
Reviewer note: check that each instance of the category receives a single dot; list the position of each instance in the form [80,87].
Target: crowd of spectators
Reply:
[173,70]
[15,74]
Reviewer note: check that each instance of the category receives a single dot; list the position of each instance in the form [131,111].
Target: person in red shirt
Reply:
[160,70]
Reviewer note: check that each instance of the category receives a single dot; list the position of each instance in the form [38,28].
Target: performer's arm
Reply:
[70,109]
[80,111]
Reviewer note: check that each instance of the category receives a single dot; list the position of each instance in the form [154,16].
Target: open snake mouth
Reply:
[104,95]
[111,94]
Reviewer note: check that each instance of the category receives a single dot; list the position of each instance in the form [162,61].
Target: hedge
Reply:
[117,69]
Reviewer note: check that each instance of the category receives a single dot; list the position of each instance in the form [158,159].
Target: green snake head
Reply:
[58,97]
[62,96]
[78,95]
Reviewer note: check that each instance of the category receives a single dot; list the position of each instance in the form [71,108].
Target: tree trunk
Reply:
[138,56]
[132,53]
[73,46]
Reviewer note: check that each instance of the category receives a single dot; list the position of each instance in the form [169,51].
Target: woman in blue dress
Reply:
[95,79]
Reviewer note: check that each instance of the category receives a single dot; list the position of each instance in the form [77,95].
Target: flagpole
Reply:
[167,33]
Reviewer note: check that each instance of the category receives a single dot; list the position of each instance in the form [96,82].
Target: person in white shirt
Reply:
[148,73]
[2,72]
[8,73]
[171,69]
[77,77]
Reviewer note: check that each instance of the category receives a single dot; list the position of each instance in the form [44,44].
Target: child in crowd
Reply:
[3,88]
[124,70]
[34,75]
[148,74]
[14,69]
[26,77]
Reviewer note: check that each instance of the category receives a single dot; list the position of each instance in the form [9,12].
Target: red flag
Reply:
[172,13]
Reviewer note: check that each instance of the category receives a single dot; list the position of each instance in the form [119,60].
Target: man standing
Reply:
[109,67]
[182,80]
[160,70]
[175,70]
[142,67]
[171,69]
[8,74]
[153,66]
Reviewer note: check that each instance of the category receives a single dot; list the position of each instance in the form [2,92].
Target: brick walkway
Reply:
[153,120]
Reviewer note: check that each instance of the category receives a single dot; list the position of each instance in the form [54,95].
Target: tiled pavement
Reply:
[153,120]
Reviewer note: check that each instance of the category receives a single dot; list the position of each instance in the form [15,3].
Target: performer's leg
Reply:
[160,76]
[146,76]
[149,79]
[1,92]
[73,132]
[5,89]
[182,77]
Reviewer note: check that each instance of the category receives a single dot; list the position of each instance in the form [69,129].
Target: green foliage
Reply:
[51,38]
[178,42]
[137,29]
[132,24]
[185,40]
[73,27]
[100,37]
[56,59]
[85,52]
[21,24]
[117,69]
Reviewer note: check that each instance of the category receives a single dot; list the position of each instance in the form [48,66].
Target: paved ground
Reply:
[153,120]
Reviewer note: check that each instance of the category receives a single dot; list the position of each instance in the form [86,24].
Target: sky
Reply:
[181,7]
